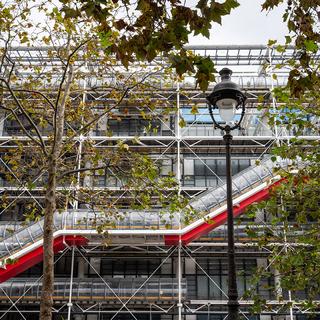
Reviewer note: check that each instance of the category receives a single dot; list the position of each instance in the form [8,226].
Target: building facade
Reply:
[148,270]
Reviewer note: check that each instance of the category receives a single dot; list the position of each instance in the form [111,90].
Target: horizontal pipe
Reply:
[161,289]
[173,138]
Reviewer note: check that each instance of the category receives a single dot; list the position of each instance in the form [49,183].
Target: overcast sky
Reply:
[247,25]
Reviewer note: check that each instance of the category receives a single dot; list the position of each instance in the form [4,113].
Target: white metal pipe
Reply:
[69,304]
[172,138]
[274,102]
[178,139]
[179,304]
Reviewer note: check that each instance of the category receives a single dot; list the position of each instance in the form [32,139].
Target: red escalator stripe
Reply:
[206,227]
[36,256]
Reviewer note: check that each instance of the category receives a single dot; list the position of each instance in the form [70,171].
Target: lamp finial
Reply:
[225,74]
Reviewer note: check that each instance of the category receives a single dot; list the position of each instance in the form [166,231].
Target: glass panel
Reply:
[221,167]
[243,164]
[200,180]
[202,285]
[211,167]
[188,167]
[234,166]
[215,292]
[199,169]
[166,167]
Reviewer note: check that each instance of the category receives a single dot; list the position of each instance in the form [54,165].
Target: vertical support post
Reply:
[277,284]
[286,251]
[179,283]
[2,120]
[178,177]
[233,304]
[290,310]
[2,114]
[178,140]
[69,304]
[274,102]
[76,202]
[81,139]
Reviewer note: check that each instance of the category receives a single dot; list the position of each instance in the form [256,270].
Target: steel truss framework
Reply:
[253,68]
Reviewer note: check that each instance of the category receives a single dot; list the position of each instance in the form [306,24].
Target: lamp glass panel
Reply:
[227,109]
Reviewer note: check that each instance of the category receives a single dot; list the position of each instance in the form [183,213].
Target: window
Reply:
[202,116]
[166,167]
[208,172]
[218,272]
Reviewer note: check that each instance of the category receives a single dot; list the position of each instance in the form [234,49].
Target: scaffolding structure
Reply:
[156,268]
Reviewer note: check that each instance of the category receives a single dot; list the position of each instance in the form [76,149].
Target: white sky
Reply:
[247,25]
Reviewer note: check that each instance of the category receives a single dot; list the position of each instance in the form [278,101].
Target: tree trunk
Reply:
[46,303]
[48,254]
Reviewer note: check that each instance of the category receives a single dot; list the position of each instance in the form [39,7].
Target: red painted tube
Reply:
[215,222]
[36,256]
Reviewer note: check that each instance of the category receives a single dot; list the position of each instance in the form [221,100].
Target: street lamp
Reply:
[228,98]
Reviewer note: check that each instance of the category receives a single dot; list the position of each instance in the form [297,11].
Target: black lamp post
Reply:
[227,98]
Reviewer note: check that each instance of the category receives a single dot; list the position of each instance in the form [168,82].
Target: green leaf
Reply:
[271,42]
[205,73]
[31,185]
[105,38]
[70,12]
[194,110]
[270,4]
[288,39]
[182,123]
[311,46]
[231,4]
[280,48]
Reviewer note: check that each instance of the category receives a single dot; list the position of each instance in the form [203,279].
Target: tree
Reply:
[293,209]
[145,29]
[80,34]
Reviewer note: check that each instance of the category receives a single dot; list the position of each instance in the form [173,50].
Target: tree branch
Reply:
[19,105]
[61,84]
[4,56]
[21,125]
[66,69]
[36,92]
[97,118]
[69,172]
